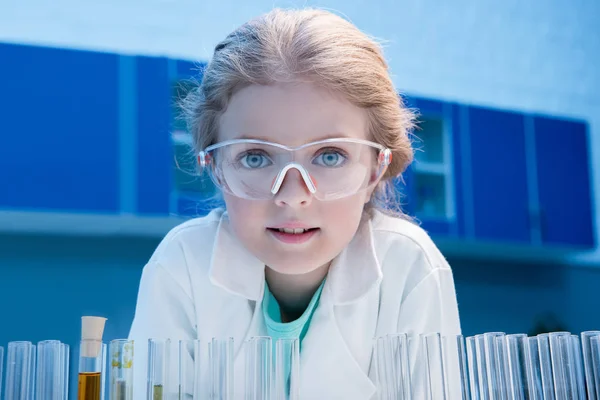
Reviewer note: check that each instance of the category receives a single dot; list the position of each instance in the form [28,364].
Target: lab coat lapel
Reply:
[329,370]
[257,328]
[233,267]
[355,272]
[236,270]
[335,364]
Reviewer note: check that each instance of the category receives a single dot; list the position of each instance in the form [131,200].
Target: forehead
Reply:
[291,114]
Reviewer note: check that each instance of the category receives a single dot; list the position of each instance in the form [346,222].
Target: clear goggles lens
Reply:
[330,169]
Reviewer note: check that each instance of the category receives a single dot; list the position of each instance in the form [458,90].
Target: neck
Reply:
[294,292]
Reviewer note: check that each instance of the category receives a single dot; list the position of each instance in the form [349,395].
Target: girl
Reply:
[299,125]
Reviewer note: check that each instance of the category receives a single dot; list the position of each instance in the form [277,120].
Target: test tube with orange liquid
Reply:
[92,357]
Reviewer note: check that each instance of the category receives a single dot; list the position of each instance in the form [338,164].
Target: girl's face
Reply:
[293,115]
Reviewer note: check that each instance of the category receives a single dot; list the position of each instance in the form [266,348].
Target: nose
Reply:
[293,191]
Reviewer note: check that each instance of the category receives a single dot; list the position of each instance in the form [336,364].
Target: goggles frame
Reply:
[205,159]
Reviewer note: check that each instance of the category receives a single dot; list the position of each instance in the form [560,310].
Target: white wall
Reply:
[537,55]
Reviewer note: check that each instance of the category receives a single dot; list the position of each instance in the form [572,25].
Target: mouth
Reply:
[293,231]
[293,235]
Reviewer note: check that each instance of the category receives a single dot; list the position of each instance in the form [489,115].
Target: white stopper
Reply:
[92,329]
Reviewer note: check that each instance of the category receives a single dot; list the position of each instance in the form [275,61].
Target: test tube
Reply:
[392,364]
[515,362]
[287,370]
[545,356]
[563,372]
[533,370]
[592,384]
[455,367]
[159,357]
[220,355]
[20,371]
[52,370]
[1,365]
[434,366]
[259,368]
[92,359]
[189,369]
[578,367]
[594,354]
[473,364]
[91,372]
[121,369]
[493,356]
[482,367]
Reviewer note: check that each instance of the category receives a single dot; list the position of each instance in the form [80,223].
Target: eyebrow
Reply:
[333,135]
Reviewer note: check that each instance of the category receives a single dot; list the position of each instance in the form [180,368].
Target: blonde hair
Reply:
[289,45]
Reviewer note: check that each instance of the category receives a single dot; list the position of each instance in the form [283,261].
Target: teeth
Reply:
[294,231]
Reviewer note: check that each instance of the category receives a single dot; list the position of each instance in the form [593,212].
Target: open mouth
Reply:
[293,231]
[293,235]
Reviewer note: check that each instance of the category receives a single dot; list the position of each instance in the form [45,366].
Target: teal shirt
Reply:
[287,330]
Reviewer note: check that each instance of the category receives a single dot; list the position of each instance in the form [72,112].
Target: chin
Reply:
[292,265]
[292,270]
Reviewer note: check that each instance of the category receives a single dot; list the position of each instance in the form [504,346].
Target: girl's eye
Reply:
[330,158]
[255,160]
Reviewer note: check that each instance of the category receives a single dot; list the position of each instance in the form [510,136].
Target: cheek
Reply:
[344,215]
[245,215]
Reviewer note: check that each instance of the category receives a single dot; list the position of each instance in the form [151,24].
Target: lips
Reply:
[296,231]
[293,235]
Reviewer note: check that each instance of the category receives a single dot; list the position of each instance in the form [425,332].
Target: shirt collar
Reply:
[353,273]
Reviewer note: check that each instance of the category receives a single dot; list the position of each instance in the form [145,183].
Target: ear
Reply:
[382,180]
[371,191]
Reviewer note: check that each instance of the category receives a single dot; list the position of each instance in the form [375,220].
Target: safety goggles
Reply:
[331,169]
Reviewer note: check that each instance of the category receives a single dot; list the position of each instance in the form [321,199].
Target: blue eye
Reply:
[330,158]
[255,160]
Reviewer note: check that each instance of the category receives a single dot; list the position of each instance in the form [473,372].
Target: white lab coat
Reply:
[202,283]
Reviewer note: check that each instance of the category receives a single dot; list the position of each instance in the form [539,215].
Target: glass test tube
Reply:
[494,353]
[482,367]
[592,381]
[189,370]
[578,367]
[220,356]
[20,371]
[287,370]
[545,357]
[594,353]
[121,369]
[455,367]
[561,350]
[52,381]
[259,368]
[1,364]
[473,364]
[392,364]
[515,363]
[92,358]
[533,370]
[159,363]
[435,386]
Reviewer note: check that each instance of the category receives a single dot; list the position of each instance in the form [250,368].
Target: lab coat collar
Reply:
[328,368]
[352,274]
